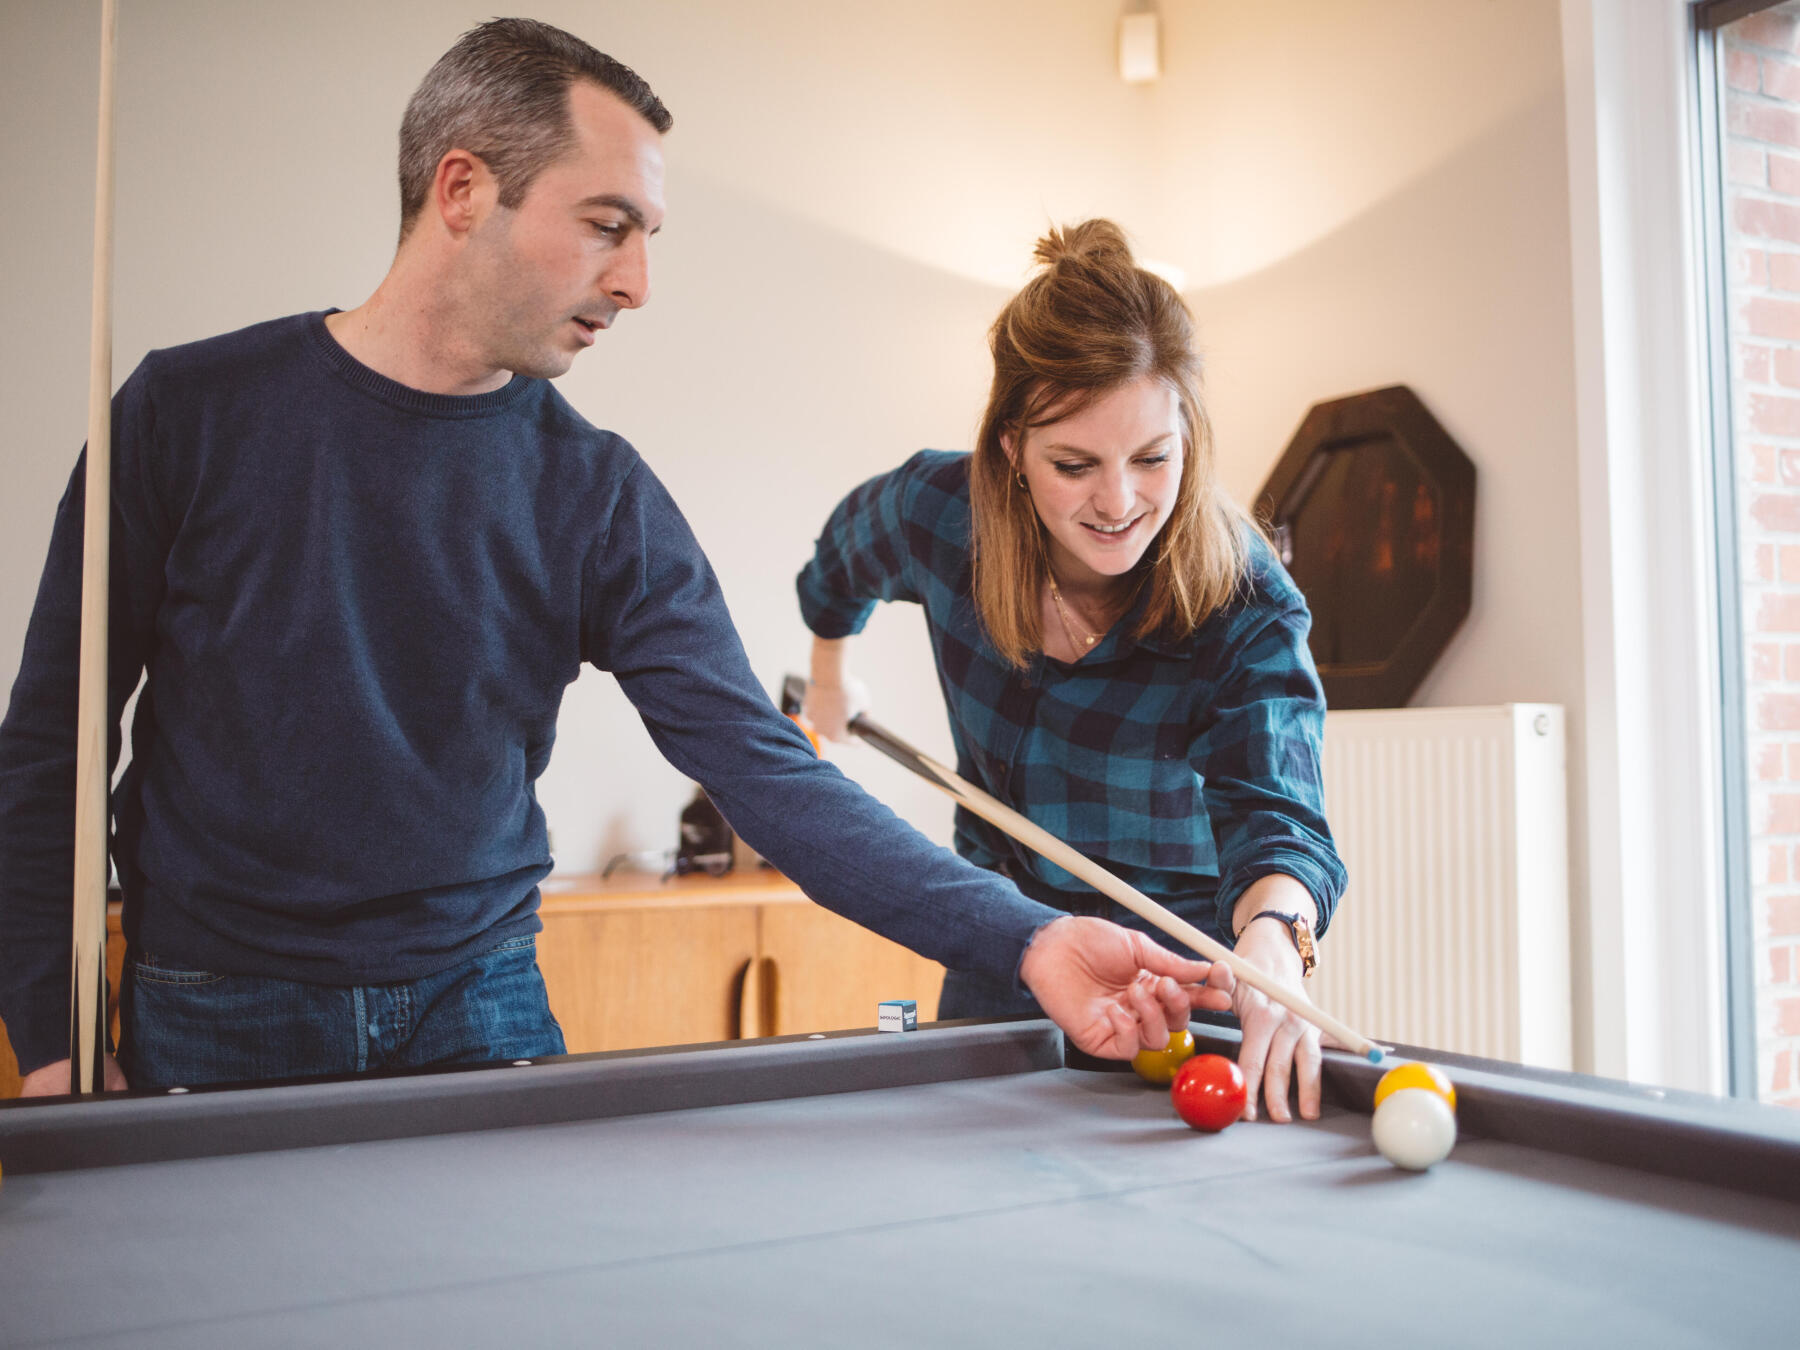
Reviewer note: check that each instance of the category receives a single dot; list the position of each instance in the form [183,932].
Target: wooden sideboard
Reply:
[631,960]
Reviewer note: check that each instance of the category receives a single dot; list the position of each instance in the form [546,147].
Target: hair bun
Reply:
[1092,241]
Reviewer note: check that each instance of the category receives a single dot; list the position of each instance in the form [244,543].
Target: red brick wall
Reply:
[1762,196]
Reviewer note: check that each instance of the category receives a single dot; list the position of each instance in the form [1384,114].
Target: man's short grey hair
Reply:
[502,93]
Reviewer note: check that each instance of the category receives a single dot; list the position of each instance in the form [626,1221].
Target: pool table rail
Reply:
[1739,1145]
[54,1134]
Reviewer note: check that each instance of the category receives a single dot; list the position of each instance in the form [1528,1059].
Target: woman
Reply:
[1123,658]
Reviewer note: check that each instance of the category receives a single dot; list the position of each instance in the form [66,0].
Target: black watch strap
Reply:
[1299,929]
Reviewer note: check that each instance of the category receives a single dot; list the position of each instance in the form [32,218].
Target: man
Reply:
[357,557]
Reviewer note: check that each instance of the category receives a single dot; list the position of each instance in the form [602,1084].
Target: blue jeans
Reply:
[188,1027]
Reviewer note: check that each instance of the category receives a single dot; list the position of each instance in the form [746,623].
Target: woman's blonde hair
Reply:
[1090,321]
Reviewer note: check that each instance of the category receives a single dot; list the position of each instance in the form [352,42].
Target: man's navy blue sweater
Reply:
[356,607]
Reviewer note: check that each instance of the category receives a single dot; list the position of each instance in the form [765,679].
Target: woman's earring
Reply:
[1023,486]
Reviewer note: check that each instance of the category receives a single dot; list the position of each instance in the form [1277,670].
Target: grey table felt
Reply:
[1056,1208]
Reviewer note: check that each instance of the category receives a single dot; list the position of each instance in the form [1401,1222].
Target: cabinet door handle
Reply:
[758,985]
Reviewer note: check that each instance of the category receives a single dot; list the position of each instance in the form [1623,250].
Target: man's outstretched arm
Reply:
[657,620]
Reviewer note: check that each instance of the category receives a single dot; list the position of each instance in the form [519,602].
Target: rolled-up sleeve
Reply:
[864,556]
[1259,753]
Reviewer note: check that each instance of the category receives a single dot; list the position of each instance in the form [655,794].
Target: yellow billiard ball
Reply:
[1160,1066]
[1416,1075]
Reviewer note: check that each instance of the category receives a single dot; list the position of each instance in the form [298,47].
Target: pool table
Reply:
[959,1185]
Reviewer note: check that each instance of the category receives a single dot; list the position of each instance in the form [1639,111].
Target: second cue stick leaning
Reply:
[1037,837]
[87,970]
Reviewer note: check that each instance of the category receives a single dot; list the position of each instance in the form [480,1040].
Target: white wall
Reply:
[1379,194]
[818,311]
[1362,192]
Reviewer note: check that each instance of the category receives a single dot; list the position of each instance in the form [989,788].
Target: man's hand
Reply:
[53,1079]
[1114,991]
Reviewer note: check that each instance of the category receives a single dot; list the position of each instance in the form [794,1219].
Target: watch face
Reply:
[1303,939]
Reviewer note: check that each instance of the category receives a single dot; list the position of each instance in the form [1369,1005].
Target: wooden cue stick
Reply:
[87,975]
[1036,837]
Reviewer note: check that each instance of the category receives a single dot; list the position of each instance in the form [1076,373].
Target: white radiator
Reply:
[1454,933]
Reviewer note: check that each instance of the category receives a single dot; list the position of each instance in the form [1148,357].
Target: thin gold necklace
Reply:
[1080,637]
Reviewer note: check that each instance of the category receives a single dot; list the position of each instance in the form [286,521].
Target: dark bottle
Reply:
[705,839]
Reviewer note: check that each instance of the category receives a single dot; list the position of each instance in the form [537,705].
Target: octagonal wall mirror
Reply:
[1372,509]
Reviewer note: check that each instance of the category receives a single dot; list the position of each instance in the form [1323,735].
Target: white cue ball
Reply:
[1414,1128]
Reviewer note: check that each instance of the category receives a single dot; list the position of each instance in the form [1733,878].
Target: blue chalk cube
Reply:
[897,1014]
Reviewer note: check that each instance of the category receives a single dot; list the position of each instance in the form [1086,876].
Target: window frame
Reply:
[1707,17]
[1654,1000]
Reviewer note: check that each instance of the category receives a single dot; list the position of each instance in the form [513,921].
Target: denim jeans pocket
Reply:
[492,1007]
[148,968]
[188,1027]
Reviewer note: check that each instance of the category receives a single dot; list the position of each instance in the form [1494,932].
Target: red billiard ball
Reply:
[1209,1092]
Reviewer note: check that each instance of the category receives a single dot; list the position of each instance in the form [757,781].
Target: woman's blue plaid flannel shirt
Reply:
[1189,767]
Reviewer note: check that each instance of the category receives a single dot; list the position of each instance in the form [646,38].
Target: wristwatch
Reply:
[1302,934]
